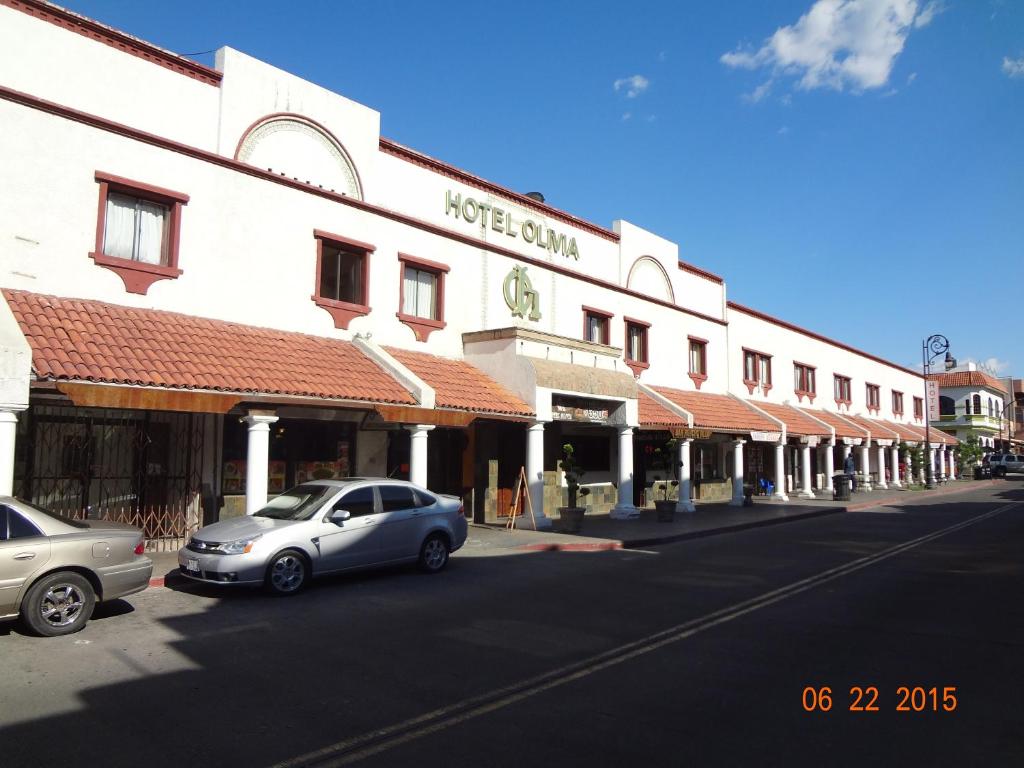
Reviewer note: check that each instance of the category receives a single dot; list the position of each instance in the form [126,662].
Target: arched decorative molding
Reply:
[308,145]
[649,277]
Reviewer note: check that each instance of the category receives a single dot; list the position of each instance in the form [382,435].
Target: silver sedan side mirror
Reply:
[339,515]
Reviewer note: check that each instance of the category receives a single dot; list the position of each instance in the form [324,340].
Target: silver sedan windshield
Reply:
[298,503]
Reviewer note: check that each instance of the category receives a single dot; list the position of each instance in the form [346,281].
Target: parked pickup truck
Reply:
[1001,463]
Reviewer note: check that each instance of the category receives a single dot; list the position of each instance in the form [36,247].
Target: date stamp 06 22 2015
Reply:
[865,699]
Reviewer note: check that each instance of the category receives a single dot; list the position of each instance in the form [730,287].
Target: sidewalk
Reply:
[600,532]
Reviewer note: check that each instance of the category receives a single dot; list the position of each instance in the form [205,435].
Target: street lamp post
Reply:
[935,344]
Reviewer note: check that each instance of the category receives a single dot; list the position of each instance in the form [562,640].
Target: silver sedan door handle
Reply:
[24,555]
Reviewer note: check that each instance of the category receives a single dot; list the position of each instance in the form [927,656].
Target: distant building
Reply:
[973,403]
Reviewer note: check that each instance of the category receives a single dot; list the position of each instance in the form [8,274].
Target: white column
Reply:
[830,468]
[535,474]
[881,468]
[8,434]
[684,504]
[737,472]
[846,451]
[805,472]
[942,464]
[624,508]
[932,464]
[780,473]
[865,464]
[952,465]
[894,462]
[257,461]
[418,453]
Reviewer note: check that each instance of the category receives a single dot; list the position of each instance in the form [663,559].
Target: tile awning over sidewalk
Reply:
[720,413]
[843,427]
[798,423]
[879,430]
[654,415]
[78,340]
[460,385]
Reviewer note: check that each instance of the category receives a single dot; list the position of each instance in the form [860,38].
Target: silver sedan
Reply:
[53,570]
[327,526]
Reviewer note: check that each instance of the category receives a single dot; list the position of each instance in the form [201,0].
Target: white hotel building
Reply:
[220,282]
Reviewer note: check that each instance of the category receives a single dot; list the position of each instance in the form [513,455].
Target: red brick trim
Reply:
[606,335]
[802,393]
[700,272]
[422,327]
[817,336]
[893,394]
[753,384]
[697,378]
[138,276]
[439,166]
[342,312]
[94,121]
[849,386]
[123,42]
[867,398]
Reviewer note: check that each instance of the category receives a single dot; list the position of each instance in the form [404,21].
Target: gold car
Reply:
[53,570]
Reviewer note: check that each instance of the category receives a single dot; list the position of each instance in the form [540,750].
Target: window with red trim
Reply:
[803,381]
[918,408]
[636,350]
[342,277]
[596,325]
[421,295]
[138,229]
[897,403]
[757,370]
[873,397]
[841,385]
[698,368]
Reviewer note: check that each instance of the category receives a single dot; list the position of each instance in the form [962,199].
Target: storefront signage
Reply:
[520,295]
[931,388]
[766,437]
[501,221]
[578,409]
[690,433]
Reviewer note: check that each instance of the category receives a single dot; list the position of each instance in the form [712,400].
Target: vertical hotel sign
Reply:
[931,388]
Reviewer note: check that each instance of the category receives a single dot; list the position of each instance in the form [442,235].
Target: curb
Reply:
[923,495]
[821,512]
[589,546]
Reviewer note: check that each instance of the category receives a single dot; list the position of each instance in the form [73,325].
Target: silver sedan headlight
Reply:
[240,546]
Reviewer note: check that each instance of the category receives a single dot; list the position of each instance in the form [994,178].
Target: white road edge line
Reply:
[467,709]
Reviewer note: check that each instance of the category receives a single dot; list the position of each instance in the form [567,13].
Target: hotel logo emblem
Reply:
[522,299]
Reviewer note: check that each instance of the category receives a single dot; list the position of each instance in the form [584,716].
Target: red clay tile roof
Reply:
[842,427]
[460,385]
[879,430]
[653,414]
[719,412]
[905,431]
[84,340]
[797,423]
[967,379]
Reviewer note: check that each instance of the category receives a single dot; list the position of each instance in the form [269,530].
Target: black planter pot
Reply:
[666,511]
[571,519]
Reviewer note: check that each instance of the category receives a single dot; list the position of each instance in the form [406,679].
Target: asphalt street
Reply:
[705,652]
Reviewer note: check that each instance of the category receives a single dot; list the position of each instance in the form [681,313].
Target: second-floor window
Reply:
[918,408]
[421,295]
[342,273]
[873,397]
[136,229]
[803,380]
[698,357]
[757,370]
[595,325]
[897,403]
[636,342]
[842,389]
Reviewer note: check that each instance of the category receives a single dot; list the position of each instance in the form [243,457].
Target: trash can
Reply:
[840,487]
[979,473]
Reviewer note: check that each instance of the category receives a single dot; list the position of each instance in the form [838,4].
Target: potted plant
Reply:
[572,515]
[666,508]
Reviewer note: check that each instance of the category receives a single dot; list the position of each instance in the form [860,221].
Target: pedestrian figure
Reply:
[849,469]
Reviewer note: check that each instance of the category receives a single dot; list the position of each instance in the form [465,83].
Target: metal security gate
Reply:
[139,467]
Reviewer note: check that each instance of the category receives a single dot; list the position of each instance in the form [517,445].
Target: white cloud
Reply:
[929,12]
[1013,67]
[633,86]
[911,77]
[663,56]
[837,44]
[783,130]
[992,365]
[627,116]
[759,93]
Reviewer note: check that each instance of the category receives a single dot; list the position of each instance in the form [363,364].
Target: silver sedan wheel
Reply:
[287,573]
[434,555]
[62,605]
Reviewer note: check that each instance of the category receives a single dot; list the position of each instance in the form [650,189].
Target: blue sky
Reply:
[852,166]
